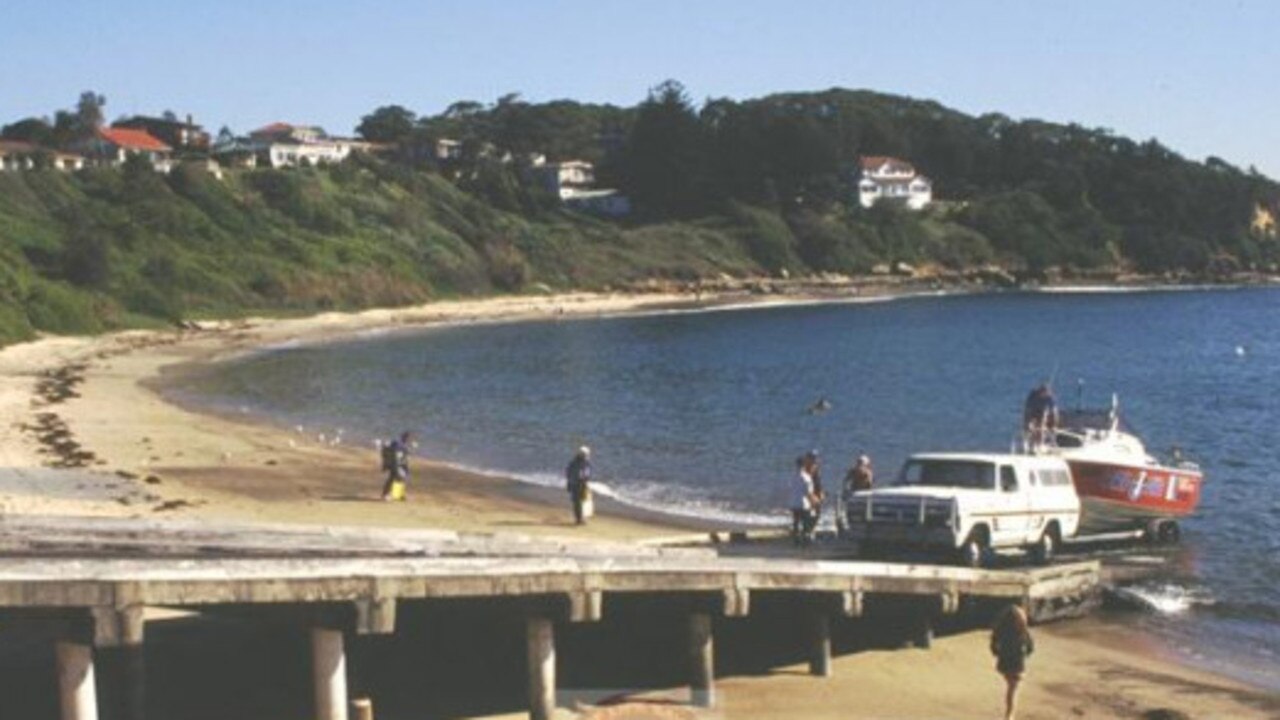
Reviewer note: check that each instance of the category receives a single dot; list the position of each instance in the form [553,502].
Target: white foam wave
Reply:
[660,498]
[1166,598]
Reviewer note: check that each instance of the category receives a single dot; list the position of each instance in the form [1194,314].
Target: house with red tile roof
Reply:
[113,145]
[894,180]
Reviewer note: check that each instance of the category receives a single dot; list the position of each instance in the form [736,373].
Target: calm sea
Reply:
[703,413]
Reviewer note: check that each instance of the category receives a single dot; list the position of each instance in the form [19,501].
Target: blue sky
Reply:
[1200,76]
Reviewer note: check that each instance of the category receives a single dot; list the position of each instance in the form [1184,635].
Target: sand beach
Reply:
[86,429]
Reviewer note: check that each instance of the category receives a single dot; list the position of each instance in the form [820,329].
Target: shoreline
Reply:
[150,456]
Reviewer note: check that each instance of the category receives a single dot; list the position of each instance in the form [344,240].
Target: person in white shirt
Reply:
[802,503]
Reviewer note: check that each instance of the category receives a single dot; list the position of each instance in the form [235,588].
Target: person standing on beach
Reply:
[860,477]
[1011,643]
[802,517]
[578,482]
[395,462]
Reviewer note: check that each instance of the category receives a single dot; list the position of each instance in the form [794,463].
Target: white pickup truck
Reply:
[968,504]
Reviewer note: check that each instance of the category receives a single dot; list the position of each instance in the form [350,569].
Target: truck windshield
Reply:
[949,473]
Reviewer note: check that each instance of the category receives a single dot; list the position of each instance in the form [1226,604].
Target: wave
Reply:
[1165,597]
[660,498]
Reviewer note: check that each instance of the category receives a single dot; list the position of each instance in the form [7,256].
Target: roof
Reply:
[17,147]
[275,127]
[983,457]
[875,162]
[132,139]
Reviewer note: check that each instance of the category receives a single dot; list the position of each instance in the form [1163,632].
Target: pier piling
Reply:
[701,660]
[329,671]
[77,690]
[540,634]
[820,645]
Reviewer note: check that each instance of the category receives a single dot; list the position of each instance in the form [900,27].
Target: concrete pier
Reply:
[541,639]
[702,660]
[77,687]
[329,673]
[96,583]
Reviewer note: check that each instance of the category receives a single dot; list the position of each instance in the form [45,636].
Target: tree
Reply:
[390,123]
[34,130]
[89,116]
[665,162]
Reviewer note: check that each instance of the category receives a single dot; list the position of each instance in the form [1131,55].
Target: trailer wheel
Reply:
[1170,533]
[1043,552]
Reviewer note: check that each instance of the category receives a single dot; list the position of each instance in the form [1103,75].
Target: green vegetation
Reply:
[754,187]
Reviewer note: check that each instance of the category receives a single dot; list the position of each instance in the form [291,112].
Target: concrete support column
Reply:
[329,671]
[541,637]
[77,690]
[702,672]
[820,645]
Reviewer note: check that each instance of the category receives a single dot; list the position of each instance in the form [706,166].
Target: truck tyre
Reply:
[1043,552]
[1170,533]
[973,553]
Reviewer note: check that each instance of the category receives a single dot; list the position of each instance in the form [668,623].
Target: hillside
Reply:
[749,188]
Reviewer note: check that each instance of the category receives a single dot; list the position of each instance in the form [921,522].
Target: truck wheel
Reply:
[1170,533]
[1046,548]
[973,553]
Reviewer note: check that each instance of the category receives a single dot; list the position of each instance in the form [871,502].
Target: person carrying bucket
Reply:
[395,462]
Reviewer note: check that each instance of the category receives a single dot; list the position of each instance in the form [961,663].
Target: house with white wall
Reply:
[19,155]
[113,145]
[892,179]
[285,145]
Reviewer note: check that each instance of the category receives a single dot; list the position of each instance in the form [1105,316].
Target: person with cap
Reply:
[395,462]
[860,477]
[578,482]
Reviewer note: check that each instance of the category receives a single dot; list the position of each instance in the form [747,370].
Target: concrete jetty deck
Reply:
[91,584]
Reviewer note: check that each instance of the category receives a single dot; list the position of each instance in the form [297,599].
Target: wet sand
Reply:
[84,431]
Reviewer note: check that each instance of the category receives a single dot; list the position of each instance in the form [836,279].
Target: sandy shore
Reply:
[83,431]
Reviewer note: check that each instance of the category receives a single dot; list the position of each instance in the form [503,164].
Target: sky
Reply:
[1199,76]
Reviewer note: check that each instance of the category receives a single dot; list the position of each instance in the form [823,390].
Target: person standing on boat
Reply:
[1040,414]
[860,477]
[578,482]
[1011,643]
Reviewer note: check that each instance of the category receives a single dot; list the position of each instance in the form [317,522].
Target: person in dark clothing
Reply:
[578,482]
[395,462]
[1011,643]
[1040,413]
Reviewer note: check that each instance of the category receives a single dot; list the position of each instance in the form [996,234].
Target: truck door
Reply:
[1015,505]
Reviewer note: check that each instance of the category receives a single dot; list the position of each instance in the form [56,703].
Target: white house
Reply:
[567,178]
[887,178]
[18,155]
[285,145]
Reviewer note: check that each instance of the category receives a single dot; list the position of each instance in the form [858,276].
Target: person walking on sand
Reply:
[578,483]
[1011,643]
[395,462]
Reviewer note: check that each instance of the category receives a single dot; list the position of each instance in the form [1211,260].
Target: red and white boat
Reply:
[1121,486]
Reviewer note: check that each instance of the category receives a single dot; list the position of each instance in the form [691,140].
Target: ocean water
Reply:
[703,413]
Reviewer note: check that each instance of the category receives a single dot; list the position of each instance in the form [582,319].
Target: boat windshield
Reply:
[1091,419]
[949,473]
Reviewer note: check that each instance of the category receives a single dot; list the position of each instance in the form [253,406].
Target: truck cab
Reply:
[969,505]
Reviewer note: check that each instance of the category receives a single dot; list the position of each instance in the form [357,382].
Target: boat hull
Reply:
[1116,497]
